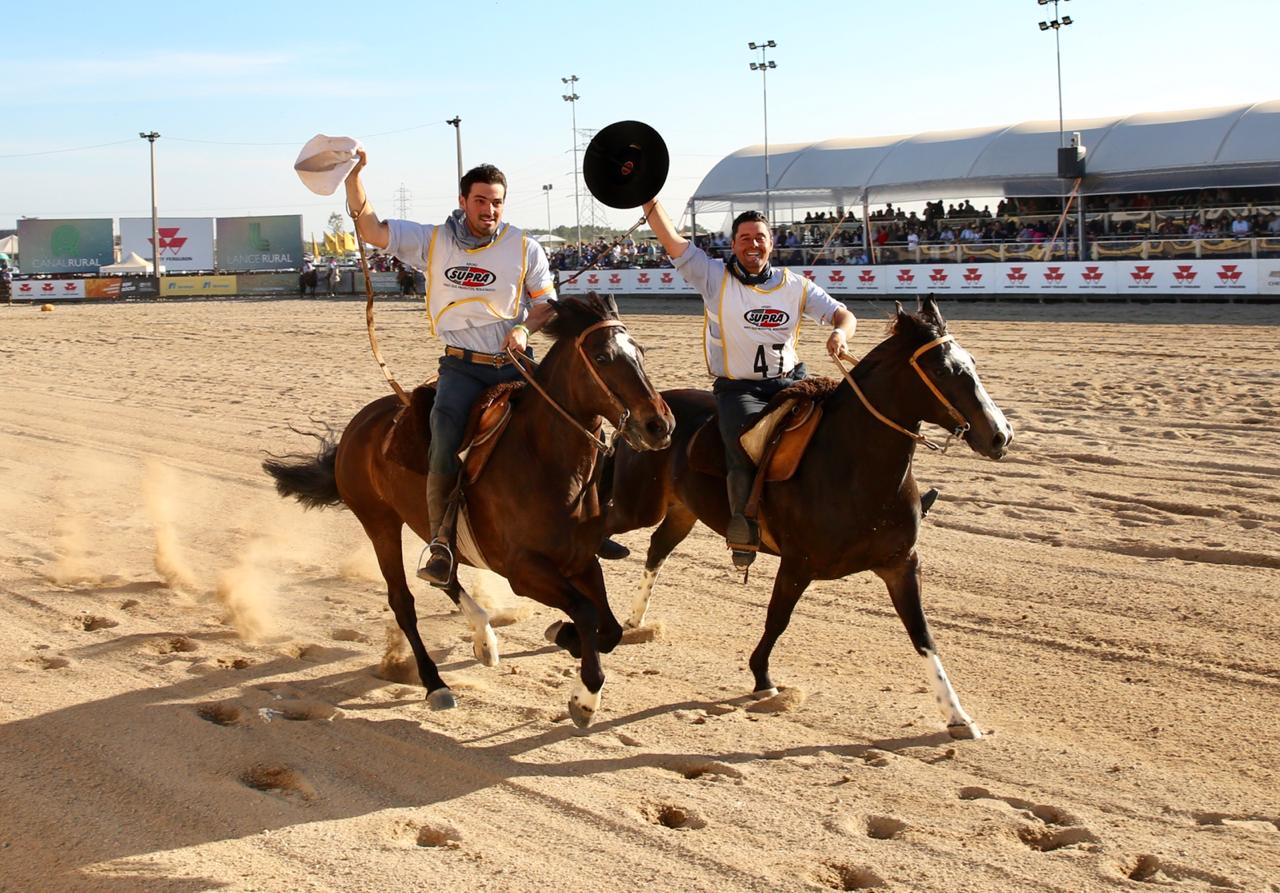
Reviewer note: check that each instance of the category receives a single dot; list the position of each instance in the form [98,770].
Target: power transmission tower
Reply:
[403,202]
[589,210]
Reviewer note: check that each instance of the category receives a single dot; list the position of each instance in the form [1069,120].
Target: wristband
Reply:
[521,325]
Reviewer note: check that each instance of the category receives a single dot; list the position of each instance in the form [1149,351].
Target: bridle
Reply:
[962,426]
[604,446]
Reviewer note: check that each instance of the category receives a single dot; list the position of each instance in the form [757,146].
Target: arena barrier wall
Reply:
[1125,278]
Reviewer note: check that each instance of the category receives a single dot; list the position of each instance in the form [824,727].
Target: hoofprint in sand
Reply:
[200,690]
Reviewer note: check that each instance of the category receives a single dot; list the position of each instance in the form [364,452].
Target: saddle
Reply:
[776,440]
[406,441]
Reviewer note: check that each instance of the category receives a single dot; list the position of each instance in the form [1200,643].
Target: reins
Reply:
[596,440]
[368,309]
[962,426]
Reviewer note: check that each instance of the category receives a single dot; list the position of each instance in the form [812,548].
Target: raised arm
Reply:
[674,243]
[373,231]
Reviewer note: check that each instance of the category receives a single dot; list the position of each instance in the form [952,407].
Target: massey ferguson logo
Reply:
[905,276]
[1054,274]
[1016,274]
[766,317]
[938,275]
[25,288]
[1141,274]
[668,278]
[615,278]
[1229,273]
[69,287]
[47,288]
[972,274]
[1091,274]
[643,279]
[170,241]
[809,274]
[469,277]
[867,276]
[1185,273]
[836,277]
[593,279]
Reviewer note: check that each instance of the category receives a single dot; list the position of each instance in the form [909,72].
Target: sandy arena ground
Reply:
[196,691]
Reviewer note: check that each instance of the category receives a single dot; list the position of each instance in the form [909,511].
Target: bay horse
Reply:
[852,504]
[535,512]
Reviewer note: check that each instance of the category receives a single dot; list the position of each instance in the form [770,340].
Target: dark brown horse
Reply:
[851,506]
[534,514]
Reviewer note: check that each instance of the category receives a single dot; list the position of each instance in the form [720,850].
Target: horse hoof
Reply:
[485,648]
[965,731]
[761,694]
[553,630]
[582,710]
[441,699]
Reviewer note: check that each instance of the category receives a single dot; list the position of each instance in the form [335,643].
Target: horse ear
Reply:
[929,307]
[611,304]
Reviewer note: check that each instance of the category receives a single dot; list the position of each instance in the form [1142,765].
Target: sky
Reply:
[235,89]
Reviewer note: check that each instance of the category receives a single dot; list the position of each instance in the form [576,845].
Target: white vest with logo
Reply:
[471,287]
[754,333]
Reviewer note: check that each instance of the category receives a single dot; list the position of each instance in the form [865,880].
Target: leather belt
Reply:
[497,360]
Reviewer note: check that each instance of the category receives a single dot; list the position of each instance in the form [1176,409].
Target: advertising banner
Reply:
[107,287]
[196,286]
[186,243]
[268,284]
[65,246]
[48,289]
[259,243]
[1203,277]
[1269,276]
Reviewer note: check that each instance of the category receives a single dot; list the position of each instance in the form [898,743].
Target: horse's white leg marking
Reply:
[483,642]
[959,725]
[583,704]
[640,604]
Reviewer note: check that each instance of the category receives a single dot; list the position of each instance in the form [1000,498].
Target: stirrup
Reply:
[744,547]
[927,499]
[436,568]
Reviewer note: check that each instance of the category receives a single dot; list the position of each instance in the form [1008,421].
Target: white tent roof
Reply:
[131,264]
[1236,146]
[549,239]
[9,245]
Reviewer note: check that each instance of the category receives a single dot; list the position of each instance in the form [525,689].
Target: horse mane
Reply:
[907,330]
[575,314]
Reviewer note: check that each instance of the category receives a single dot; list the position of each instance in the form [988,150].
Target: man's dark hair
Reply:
[747,217]
[483,173]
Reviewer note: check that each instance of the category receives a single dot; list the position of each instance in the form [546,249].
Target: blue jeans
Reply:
[737,401]
[457,389]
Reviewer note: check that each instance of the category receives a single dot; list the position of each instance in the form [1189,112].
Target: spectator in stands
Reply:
[6,282]
[1240,227]
[913,240]
[1274,226]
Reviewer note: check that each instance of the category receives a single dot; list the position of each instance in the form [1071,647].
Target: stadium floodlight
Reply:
[1066,20]
[572,98]
[151,137]
[763,67]
[1044,26]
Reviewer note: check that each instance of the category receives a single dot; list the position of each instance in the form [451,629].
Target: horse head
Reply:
[953,396]
[607,376]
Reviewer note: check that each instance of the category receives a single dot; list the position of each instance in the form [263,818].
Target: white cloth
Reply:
[467,287]
[757,328]
[325,161]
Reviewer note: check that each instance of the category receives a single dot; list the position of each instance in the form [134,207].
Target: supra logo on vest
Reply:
[766,317]
[470,277]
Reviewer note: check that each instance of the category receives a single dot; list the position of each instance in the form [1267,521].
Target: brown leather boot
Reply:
[438,567]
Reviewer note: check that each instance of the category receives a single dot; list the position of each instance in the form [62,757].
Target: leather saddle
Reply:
[776,440]
[407,439]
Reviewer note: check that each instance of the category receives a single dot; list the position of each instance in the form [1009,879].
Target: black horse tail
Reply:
[310,479]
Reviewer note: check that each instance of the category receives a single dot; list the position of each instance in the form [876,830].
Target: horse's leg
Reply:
[385,535]
[484,644]
[540,580]
[904,588]
[563,633]
[788,586]
[670,533]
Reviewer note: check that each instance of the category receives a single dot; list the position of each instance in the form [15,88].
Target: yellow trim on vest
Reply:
[724,348]
[534,295]
[431,247]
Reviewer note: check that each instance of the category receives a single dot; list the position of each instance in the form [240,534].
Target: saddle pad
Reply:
[408,439]
[464,541]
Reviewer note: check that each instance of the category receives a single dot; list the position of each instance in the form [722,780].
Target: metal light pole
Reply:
[1057,23]
[763,67]
[546,190]
[155,219]
[572,98]
[457,128]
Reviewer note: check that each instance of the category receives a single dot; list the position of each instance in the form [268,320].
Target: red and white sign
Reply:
[186,243]
[48,289]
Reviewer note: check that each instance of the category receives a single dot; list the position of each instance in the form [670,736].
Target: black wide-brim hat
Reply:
[626,164]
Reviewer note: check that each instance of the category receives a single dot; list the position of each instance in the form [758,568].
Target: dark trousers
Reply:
[459,385]
[737,402]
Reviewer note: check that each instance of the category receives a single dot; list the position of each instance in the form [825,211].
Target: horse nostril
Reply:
[657,427]
[1000,440]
